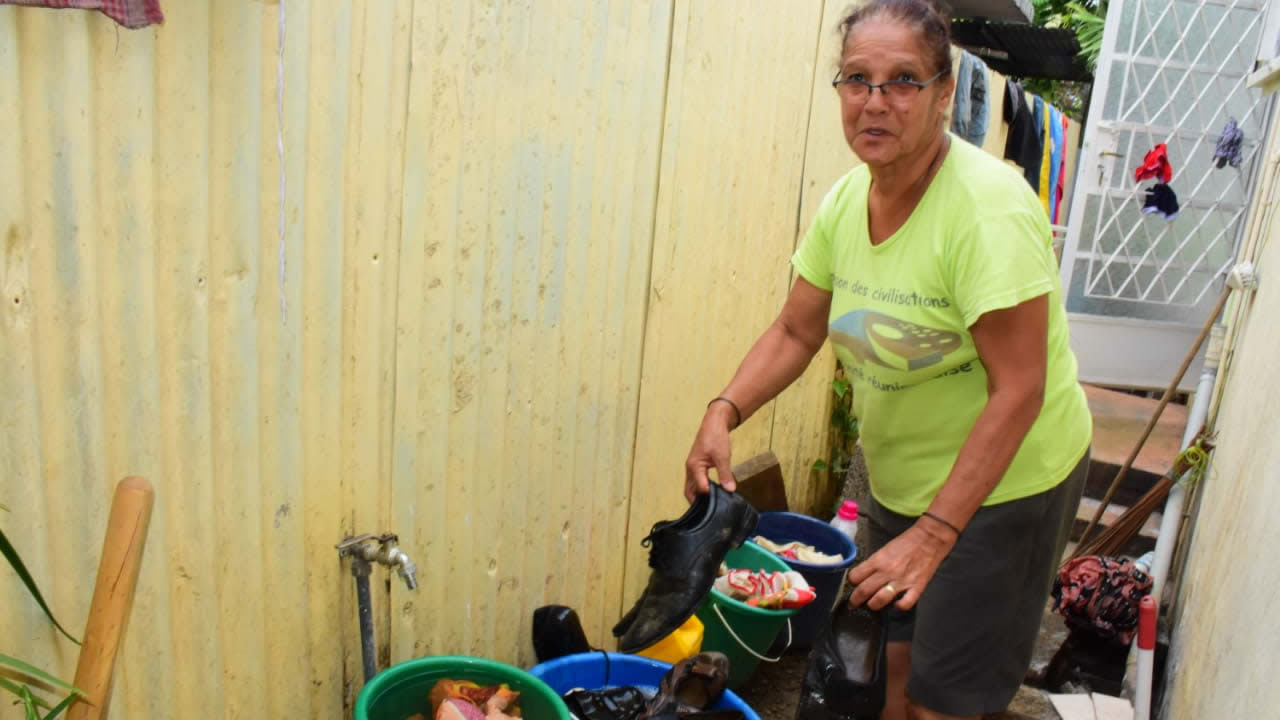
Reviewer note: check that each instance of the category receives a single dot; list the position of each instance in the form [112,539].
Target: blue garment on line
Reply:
[1055,158]
[969,114]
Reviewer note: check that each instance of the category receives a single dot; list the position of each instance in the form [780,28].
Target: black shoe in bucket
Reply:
[619,703]
[685,555]
[845,679]
[557,632]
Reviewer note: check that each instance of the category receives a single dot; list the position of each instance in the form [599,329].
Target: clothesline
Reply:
[1038,131]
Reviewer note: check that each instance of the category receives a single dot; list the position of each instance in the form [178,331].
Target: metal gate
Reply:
[1139,286]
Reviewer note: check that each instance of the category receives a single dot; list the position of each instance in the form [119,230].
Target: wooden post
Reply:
[112,596]
[760,482]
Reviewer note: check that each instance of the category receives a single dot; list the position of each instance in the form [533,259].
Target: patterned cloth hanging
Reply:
[132,14]
[1228,148]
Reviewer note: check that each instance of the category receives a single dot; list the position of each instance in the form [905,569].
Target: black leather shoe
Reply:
[845,679]
[620,703]
[685,555]
[557,632]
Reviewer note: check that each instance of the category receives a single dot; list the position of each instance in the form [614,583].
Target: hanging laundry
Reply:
[132,14]
[969,114]
[1061,188]
[763,589]
[1024,144]
[1046,153]
[1056,153]
[1228,149]
[1161,201]
[797,551]
[1155,165]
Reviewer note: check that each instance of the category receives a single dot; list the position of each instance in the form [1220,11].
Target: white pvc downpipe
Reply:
[1171,519]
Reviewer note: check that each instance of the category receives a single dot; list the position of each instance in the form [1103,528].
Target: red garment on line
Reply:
[1155,164]
[132,14]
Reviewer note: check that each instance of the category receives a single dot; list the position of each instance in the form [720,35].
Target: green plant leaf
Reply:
[56,711]
[29,704]
[819,465]
[840,386]
[35,672]
[12,556]
[17,690]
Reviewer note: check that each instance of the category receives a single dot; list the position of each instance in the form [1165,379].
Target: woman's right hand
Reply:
[710,450]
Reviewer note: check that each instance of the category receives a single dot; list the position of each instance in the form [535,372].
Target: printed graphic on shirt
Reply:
[874,337]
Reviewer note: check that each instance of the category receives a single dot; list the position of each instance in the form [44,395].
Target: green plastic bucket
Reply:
[401,690]
[743,633]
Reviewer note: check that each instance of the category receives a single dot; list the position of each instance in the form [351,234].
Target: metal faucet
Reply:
[383,550]
[364,550]
[393,557]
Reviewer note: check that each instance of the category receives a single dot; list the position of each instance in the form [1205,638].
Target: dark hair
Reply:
[927,19]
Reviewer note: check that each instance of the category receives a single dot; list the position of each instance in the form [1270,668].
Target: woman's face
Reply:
[881,128]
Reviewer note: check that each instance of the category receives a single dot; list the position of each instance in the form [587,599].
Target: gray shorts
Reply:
[974,629]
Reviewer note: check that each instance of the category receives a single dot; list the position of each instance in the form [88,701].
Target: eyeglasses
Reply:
[858,88]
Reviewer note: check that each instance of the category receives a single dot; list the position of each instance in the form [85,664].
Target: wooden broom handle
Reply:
[1155,418]
[112,597]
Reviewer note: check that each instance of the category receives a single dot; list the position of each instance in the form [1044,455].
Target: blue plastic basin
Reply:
[826,580]
[589,671]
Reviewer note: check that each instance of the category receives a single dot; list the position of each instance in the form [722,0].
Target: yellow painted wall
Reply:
[475,199]
[724,232]
[1224,642]
[524,244]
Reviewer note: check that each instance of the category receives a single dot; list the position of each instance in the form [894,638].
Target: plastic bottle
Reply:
[1145,562]
[846,520]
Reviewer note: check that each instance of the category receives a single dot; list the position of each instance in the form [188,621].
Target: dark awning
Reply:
[1019,11]
[1025,51]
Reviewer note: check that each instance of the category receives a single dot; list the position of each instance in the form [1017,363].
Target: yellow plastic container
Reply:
[685,642]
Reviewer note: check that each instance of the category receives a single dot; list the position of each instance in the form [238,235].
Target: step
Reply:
[1118,421]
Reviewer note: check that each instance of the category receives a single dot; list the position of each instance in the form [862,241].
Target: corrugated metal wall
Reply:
[474,353]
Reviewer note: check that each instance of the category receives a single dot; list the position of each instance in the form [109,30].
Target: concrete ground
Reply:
[774,690]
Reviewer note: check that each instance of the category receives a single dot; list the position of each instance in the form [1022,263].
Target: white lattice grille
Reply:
[1171,72]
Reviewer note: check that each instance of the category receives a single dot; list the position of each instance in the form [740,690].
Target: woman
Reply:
[930,268]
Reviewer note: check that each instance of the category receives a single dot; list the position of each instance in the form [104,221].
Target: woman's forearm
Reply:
[1012,345]
[773,363]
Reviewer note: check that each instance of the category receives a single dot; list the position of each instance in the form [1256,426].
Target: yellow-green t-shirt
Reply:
[900,316]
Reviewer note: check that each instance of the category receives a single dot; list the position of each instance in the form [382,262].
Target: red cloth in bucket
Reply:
[1101,594]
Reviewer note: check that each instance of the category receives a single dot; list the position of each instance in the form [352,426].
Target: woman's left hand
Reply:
[901,569]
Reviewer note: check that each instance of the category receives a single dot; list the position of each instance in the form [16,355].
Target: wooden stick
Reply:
[1155,417]
[112,596]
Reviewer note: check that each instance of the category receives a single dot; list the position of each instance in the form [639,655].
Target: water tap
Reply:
[393,557]
[384,550]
